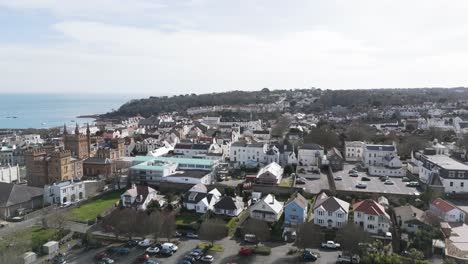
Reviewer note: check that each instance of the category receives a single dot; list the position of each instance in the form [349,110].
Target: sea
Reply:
[52,110]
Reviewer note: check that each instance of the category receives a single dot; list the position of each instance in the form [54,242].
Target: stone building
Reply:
[45,168]
[77,143]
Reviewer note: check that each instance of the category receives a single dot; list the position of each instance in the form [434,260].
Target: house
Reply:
[330,211]
[270,174]
[247,154]
[452,174]
[64,192]
[410,218]
[295,210]
[200,200]
[382,160]
[371,216]
[140,197]
[268,209]
[15,198]
[335,159]
[446,211]
[230,206]
[310,155]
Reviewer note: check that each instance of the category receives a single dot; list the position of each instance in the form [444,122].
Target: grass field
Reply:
[215,247]
[30,238]
[91,210]
[185,218]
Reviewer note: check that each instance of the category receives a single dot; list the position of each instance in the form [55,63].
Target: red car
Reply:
[143,258]
[101,255]
[245,251]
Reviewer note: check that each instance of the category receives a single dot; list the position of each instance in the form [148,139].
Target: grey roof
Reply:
[226,203]
[381,147]
[198,174]
[201,146]
[255,145]
[11,194]
[239,144]
[298,199]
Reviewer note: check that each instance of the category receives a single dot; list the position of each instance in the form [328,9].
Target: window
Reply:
[451,184]
[451,174]
[461,174]
[462,184]
[371,218]
[329,213]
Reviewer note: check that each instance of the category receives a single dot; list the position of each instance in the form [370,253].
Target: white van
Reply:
[170,246]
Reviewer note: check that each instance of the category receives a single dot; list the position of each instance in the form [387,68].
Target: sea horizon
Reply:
[47,110]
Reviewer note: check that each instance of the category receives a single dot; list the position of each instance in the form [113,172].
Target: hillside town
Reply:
[255,183]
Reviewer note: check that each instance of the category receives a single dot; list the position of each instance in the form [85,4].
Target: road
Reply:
[229,255]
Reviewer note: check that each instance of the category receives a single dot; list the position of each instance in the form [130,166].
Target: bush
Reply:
[292,251]
[262,250]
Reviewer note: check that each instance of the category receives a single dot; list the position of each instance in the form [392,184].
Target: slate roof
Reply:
[409,212]
[331,204]
[226,203]
[381,147]
[199,187]
[11,194]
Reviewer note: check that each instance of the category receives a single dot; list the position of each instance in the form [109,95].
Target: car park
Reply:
[207,259]
[361,185]
[389,182]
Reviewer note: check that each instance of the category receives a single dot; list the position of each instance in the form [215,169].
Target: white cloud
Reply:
[210,46]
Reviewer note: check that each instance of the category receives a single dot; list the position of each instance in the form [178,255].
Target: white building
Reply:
[270,174]
[268,209]
[10,174]
[250,155]
[371,216]
[447,211]
[330,212]
[64,192]
[383,160]
[310,155]
[140,197]
[354,150]
[451,174]
[190,177]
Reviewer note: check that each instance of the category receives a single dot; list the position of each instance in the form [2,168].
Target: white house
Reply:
[354,150]
[247,154]
[194,195]
[268,209]
[446,211]
[270,174]
[382,160]
[453,175]
[330,212]
[140,197]
[208,202]
[64,192]
[310,155]
[190,177]
[10,174]
[371,216]
[410,218]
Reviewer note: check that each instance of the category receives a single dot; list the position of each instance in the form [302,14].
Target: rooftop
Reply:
[446,162]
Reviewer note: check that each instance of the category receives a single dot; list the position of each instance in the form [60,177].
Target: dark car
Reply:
[166,252]
[365,179]
[122,250]
[308,255]
[101,255]
[132,243]
[142,258]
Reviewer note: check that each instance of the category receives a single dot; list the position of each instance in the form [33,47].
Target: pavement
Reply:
[374,185]
[315,186]
[229,255]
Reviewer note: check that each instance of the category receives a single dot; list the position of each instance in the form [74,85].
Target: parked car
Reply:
[365,179]
[178,234]
[405,179]
[246,251]
[150,261]
[352,171]
[106,261]
[309,255]
[250,238]
[152,250]
[166,252]
[348,259]
[384,178]
[361,185]
[191,235]
[122,250]
[300,181]
[170,246]
[331,245]
[132,243]
[388,235]
[190,259]
[197,253]
[145,243]
[413,184]
[338,178]
[207,259]
[59,260]
[389,182]
[101,255]
[354,175]
[143,258]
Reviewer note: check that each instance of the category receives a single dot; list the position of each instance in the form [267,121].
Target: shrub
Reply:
[292,251]
[262,250]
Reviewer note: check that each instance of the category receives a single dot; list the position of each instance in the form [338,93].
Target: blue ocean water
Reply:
[50,110]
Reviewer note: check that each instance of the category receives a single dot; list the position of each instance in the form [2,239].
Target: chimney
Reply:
[272,199]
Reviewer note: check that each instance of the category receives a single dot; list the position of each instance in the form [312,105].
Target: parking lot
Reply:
[374,185]
[229,255]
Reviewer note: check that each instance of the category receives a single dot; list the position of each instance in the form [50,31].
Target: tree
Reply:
[260,229]
[122,222]
[411,143]
[168,225]
[309,235]
[415,254]
[322,136]
[288,169]
[213,230]
[359,132]
[281,126]
[449,261]
[350,236]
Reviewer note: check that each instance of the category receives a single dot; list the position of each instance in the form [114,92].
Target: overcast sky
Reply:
[185,46]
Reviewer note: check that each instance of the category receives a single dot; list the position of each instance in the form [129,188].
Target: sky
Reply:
[198,46]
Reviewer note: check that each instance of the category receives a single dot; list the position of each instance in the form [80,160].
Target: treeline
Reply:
[155,105]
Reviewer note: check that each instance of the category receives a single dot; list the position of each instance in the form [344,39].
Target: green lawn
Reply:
[30,238]
[185,218]
[91,210]
[286,183]
[215,247]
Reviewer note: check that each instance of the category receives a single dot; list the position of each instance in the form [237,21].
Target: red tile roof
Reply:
[369,207]
[443,205]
